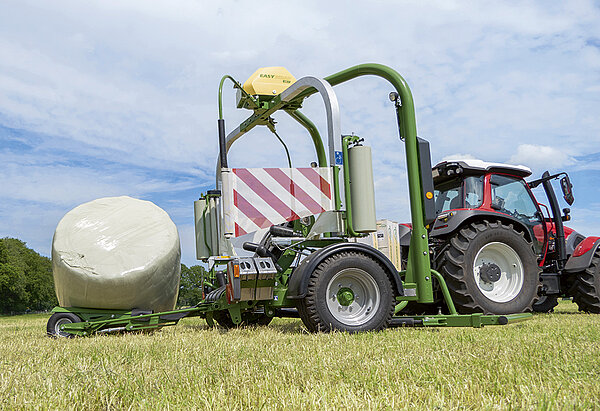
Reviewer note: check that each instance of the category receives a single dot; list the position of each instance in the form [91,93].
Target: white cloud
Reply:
[541,157]
[134,84]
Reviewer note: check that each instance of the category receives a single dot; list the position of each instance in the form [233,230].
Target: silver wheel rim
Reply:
[512,273]
[59,322]
[366,299]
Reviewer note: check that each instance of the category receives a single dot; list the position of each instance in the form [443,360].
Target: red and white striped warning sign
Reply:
[256,198]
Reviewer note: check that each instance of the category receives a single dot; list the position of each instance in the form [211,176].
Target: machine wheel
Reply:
[347,292]
[58,319]
[490,267]
[586,292]
[249,319]
[545,304]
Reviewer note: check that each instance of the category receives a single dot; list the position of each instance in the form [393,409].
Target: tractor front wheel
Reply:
[490,267]
[349,292]
[586,292]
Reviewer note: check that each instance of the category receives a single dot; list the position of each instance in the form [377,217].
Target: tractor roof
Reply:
[448,169]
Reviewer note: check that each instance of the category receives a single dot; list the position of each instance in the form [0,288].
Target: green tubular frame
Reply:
[418,273]
[418,269]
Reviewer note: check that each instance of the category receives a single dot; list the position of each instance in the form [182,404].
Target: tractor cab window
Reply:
[459,193]
[510,196]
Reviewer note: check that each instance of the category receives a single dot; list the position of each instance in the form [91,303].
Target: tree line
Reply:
[27,284]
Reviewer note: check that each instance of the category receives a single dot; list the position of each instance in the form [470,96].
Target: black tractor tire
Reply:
[545,304]
[465,285]
[249,319]
[586,292]
[56,320]
[371,302]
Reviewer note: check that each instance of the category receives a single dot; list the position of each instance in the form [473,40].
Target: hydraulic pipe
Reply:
[314,134]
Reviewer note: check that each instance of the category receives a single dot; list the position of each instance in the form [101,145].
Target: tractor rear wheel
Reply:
[586,292]
[58,319]
[349,292]
[490,267]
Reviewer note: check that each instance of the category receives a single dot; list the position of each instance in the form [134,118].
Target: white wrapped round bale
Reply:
[117,253]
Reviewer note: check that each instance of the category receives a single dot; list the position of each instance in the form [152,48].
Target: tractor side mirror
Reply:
[567,189]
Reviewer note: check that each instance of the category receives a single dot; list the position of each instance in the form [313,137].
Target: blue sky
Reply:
[103,98]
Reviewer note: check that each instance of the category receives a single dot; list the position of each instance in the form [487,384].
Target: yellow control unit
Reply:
[266,81]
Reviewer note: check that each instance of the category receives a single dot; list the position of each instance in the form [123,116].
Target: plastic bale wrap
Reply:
[117,253]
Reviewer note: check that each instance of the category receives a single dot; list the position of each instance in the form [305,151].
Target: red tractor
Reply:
[496,248]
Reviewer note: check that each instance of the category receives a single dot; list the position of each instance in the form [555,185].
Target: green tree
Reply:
[190,285]
[25,278]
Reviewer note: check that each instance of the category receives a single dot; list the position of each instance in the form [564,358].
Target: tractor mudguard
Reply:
[460,217]
[582,256]
[298,284]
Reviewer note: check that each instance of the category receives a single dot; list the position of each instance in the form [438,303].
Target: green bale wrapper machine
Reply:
[304,263]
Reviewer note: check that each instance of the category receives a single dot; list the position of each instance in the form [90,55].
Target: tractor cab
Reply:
[466,189]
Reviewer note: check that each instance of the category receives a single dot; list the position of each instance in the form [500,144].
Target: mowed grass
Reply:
[550,362]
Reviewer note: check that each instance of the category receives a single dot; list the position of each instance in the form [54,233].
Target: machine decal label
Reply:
[338,158]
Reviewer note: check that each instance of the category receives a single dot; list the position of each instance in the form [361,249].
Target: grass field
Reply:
[550,362]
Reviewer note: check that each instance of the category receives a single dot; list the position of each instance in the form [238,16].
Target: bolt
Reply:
[426,278]
[423,236]
[424,252]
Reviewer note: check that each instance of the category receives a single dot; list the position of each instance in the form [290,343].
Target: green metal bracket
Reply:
[96,320]
[471,320]
[236,313]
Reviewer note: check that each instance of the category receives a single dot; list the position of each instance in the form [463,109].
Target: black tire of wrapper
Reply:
[313,308]
[52,321]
